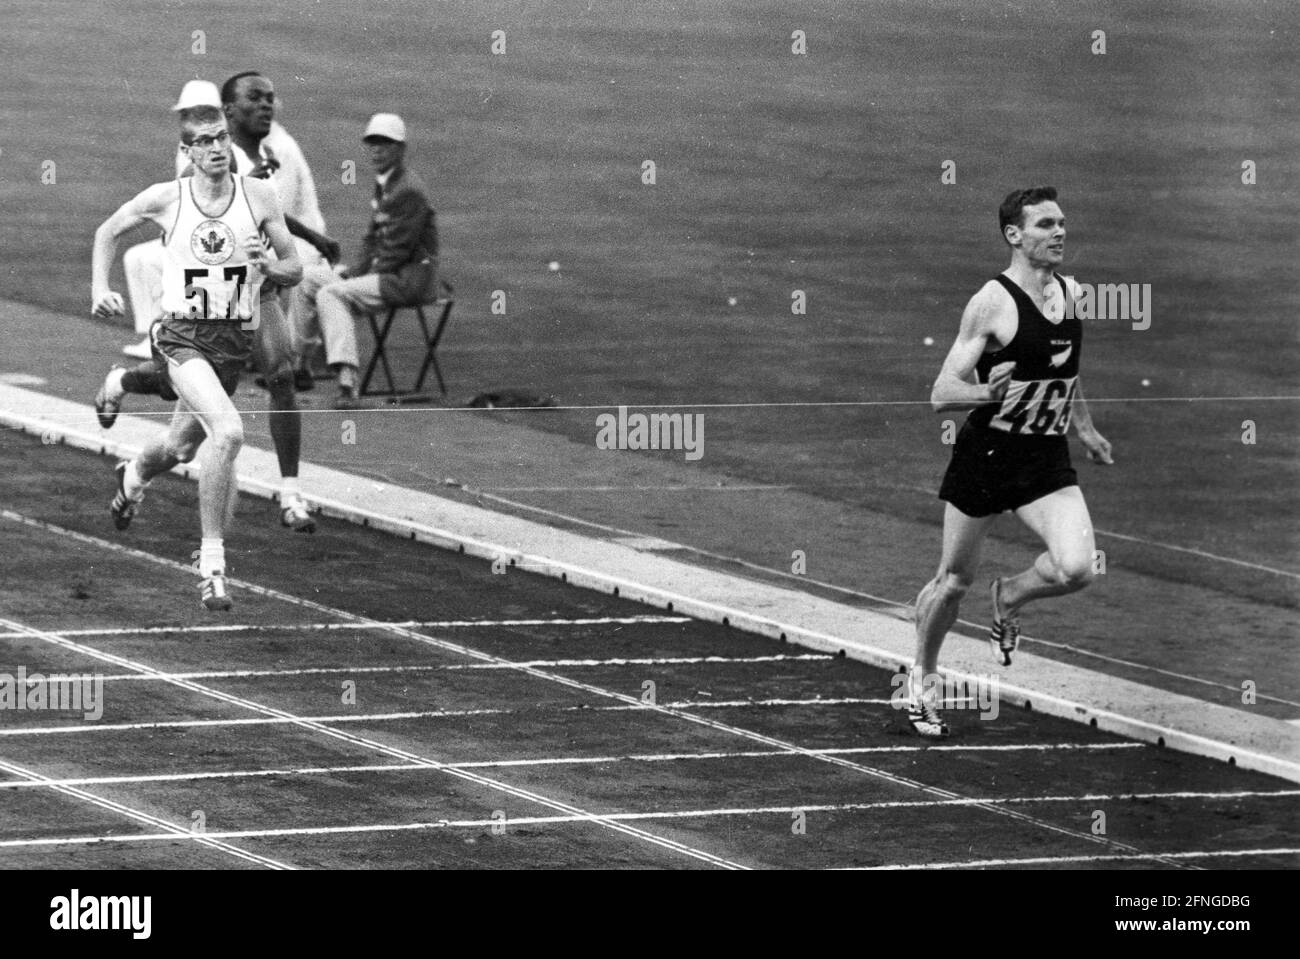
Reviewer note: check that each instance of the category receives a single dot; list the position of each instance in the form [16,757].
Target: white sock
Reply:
[212,556]
[289,490]
[133,484]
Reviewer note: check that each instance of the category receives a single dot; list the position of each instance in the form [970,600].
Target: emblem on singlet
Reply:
[212,242]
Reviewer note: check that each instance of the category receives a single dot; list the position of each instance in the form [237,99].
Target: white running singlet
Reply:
[206,274]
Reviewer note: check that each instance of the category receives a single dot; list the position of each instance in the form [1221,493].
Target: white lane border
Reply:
[1146,713]
[274,714]
[73,790]
[924,805]
[627,701]
[543,761]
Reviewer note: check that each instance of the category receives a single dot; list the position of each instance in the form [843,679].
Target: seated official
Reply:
[398,261]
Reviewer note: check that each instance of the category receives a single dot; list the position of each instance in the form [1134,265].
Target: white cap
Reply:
[386,125]
[199,93]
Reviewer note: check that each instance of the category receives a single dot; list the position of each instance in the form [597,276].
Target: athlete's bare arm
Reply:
[1098,446]
[265,204]
[327,246]
[157,204]
[984,322]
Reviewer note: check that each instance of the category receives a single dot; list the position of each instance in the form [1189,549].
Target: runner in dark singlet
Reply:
[1015,365]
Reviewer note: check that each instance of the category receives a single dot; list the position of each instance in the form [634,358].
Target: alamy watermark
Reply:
[75,912]
[1111,301]
[981,693]
[651,431]
[55,693]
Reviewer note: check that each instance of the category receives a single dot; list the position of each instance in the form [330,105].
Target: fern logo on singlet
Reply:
[212,242]
[1058,359]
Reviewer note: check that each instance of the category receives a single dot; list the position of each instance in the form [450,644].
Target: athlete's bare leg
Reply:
[936,606]
[275,354]
[179,444]
[203,400]
[285,421]
[1061,520]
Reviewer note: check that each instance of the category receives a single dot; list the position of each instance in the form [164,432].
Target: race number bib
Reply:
[218,293]
[1036,407]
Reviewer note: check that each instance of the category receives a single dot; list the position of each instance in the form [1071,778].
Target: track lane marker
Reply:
[1062,860]
[173,831]
[461,667]
[551,761]
[1152,714]
[103,727]
[471,653]
[467,775]
[409,624]
[720,812]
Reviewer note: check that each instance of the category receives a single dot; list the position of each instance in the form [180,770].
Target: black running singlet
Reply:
[1039,397]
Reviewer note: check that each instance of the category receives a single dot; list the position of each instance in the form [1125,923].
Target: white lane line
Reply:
[1201,553]
[901,609]
[1063,860]
[743,703]
[408,624]
[1067,647]
[382,748]
[471,653]
[660,815]
[460,667]
[34,778]
[674,488]
[555,761]
[487,493]
[626,620]
[102,727]
[286,719]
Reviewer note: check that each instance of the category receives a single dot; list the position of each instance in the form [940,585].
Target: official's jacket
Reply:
[402,242]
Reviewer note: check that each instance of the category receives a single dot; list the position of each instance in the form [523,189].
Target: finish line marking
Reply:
[100,727]
[471,653]
[548,761]
[690,814]
[392,751]
[377,624]
[32,778]
[457,667]
[1151,714]
[1061,860]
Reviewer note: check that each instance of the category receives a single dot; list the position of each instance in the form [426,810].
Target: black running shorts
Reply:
[993,471]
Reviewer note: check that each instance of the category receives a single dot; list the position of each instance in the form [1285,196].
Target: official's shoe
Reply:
[295,516]
[347,399]
[107,402]
[123,507]
[139,351]
[923,715]
[303,381]
[1004,634]
[212,593]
